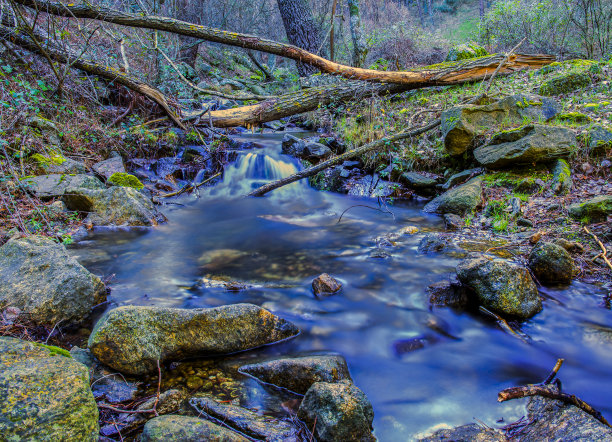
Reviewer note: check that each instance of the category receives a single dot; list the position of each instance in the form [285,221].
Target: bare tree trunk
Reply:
[301,29]
[188,46]
[360,50]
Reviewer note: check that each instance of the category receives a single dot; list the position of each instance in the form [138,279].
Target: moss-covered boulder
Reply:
[564,83]
[459,200]
[466,51]
[113,206]
[44,396]
[56,163]
[46,187]
[338,412]
[599,140]
[39,277]
[122,179]
[596,209]
[109,167]
[462,125]
[562,177]
[529,144]
[298,374]
[132,339]
[551,263]
[178,428]
[501,286]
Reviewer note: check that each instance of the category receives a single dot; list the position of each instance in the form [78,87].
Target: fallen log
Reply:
[261,191]
[443,74]
[62,55]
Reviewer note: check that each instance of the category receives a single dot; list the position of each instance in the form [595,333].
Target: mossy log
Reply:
[451,73]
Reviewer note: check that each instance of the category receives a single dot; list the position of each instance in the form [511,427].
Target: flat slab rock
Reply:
[54,185]
[132,339]
[187,428]
[44,395]
[245,421]
[109,167]
[298,374]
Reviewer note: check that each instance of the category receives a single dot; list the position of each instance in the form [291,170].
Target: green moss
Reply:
[574,117]
[170,138]
[565,83]
[56,351]
[466,51]
[125,180]
[44,161]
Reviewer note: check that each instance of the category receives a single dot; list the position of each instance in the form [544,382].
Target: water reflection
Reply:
[274,246]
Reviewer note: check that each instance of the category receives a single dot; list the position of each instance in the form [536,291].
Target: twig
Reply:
[604,251]
[554,371]
[502,63]
[503,324]
[159,377]
[118,410]
[314,425]
[367,207]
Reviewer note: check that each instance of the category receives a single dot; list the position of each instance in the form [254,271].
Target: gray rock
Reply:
[592,210]
[461,125]
[564,83]
[501,286]
[562,177]
[434,243]
[53,186]
[132,339]
[599,139]
[453,222]
[420,183]
[108,167]
[325,285]
[460,200]
[298,374]
[113,206]
[448,293]
[39,277]
[175,428]
[466,433]
[44,395]
[462,177]
[551,263]
[552,420]
[308,150]
[341,411]
[57,164]
[243,420]
[527,145]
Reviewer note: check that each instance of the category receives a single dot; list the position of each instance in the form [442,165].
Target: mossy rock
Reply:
[459,200]
[593,210]
[56,164]
[562,177]
[565,83]
[575,117]
[125,180]
[599,139]
[551,263]
[187,428]
[466,51]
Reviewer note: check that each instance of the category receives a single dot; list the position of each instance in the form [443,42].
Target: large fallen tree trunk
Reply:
[61,55]
[415,78]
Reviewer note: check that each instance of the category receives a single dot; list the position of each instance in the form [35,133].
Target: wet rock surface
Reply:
[501,286]
[244,420]
[551,263]
[39,277]
[341,412]
[186,429]
[132,339]
[460,200]
[448,293]
[44,395]
[299,373]
[325,285]
[466,433]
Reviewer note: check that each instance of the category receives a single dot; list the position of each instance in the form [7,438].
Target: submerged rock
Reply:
[595,209]
[448,293]
[460,200]
[245,421]
[298,374]
[325,285]
[114,206]
[39,277]
[52,186]
[465,433]
[551,263]
[501,286]
[132,339]
[527,145]
[337,412]
[44,395]
[186,429]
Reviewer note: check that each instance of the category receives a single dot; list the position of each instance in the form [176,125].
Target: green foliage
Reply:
[56,351]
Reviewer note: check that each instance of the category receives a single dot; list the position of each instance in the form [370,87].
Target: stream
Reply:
[273,247]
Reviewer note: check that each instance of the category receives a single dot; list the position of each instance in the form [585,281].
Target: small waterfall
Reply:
[252,170]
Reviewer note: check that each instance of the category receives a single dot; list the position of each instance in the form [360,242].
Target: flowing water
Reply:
[275,246]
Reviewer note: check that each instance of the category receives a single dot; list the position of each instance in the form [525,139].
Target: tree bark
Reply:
[301,29]
[360,49]
[188,46]
[473,70]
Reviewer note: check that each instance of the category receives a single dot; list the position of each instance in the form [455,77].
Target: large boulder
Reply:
[247,422]
[109,167]
[534,143]
[39,277]
[592,210]
[338,412]
[564,83]
[461,125]
[54,185]
[420,183]
[133,339]
[44,395]
[551,263]
[501,286]
[113,206]
[186,429]
[298,374]
[460,200]
[599,139]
